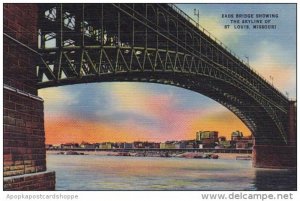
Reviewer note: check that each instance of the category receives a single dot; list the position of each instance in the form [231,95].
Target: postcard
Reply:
[149,97]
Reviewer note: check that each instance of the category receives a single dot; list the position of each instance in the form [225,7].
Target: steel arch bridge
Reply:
[83,43]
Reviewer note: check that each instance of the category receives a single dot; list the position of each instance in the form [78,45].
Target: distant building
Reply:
[151,145]
[115,145]
[70,146]
[97,145]
[167,145]
[105,145]
[236,135]
[207,139]
[222,139]
[56,146]
[241,145]
[162,145]
[244,143]
[86,145]
[180,145]
[126,145]
[170,146]
[49,146]
[155,145]
[138,145]
[189,144]
[146,145]
[201,135]
[248,138]
[224,144]
[173,145]
[238,141]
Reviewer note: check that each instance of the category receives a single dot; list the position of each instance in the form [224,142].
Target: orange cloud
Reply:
[71,130]
[166,118]
[177,125]
[62,130]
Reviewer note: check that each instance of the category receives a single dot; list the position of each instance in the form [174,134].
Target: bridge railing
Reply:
[211,36]
[214,38]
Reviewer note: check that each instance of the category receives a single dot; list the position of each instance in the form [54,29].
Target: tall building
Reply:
[244,143]
[204,135]
[222,138]
[207,139]
[236,135]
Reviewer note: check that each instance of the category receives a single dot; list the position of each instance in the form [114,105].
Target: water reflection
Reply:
[90,172]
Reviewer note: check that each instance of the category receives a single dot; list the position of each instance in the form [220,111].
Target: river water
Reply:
[93,172]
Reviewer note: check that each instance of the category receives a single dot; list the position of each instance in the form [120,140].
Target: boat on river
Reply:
[244,157]
[69,153]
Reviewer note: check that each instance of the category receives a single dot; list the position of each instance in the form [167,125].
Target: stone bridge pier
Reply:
[279,155]
[23,130]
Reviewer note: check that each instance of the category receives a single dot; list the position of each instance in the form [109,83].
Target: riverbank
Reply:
[230,156]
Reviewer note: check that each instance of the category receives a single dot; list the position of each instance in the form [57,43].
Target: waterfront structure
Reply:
[97,145]
[56,146]
[49,146]
[180,145]
[155,145]
[138,145]
[225,144]
[162,145]
[168,145]
[105,145]
[69,145]
[244,143]
[86,145]
[126,145]
[146,145]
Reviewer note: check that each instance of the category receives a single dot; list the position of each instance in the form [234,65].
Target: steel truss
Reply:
[82,43]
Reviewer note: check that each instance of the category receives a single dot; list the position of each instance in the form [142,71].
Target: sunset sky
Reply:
[125,111]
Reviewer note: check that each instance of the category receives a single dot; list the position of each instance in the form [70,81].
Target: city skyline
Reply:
[144,111]
[202,140]
[169,140]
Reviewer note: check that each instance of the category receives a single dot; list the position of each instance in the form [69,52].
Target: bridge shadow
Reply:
[275,180]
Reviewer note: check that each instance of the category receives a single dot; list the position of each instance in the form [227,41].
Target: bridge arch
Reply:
[219,90]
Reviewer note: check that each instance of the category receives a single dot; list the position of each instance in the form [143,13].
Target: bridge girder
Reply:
[82,43]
